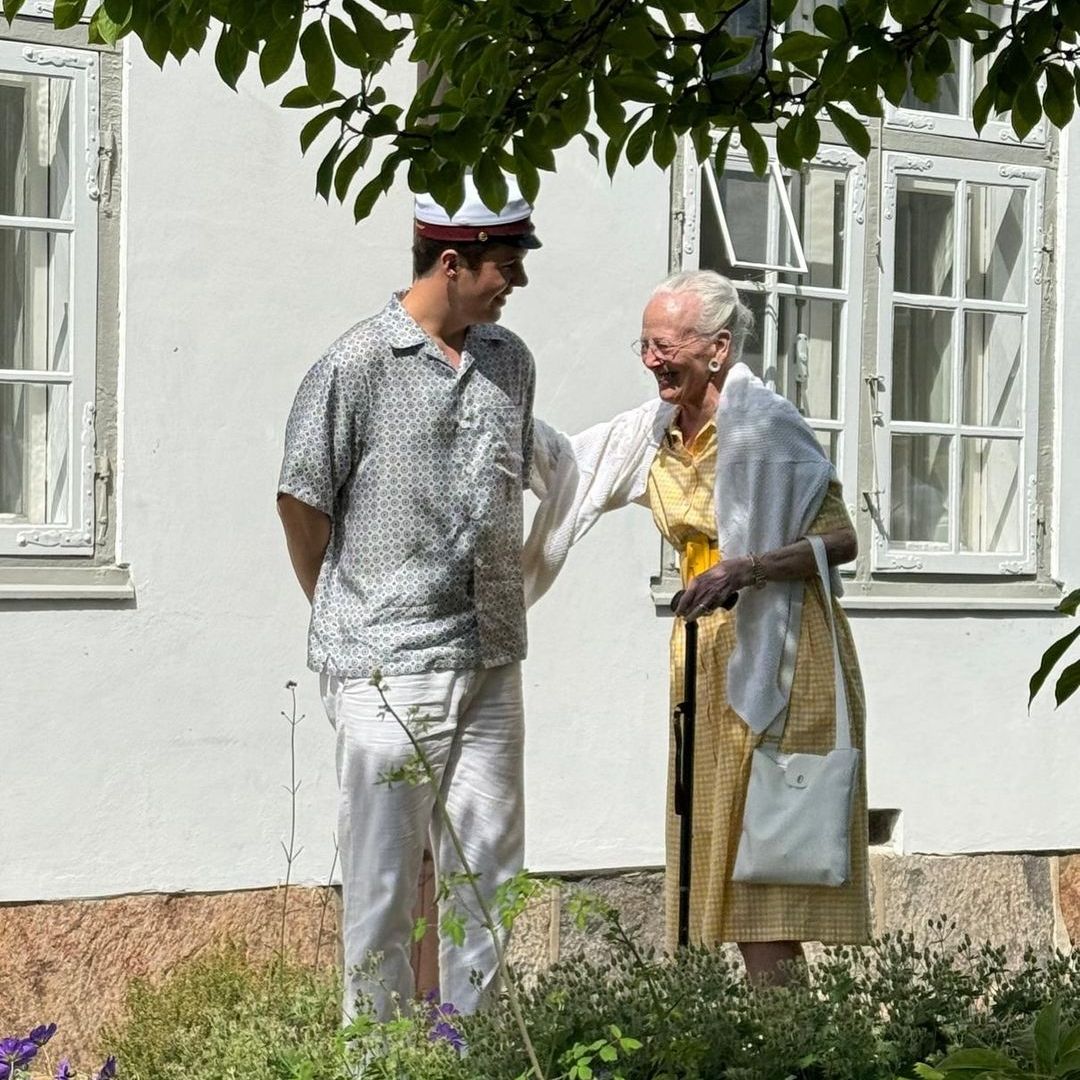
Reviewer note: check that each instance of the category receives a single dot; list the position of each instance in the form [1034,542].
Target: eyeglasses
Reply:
[664,351]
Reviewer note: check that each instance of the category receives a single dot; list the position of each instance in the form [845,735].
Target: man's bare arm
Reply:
[307,534]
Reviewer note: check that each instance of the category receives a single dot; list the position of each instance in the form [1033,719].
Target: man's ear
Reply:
[448,262]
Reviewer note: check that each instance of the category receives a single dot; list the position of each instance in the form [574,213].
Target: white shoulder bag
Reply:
[796,827]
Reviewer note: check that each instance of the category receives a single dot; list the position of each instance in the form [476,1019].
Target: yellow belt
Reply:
[697,556]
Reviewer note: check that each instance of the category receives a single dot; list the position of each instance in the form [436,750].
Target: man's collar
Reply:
[404,332]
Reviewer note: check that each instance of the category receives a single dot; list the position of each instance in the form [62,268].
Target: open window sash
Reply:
[776,195]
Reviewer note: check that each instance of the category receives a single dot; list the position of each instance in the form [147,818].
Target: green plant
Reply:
[1069,680]
[508,83]
[1045,1051]
[223,1017]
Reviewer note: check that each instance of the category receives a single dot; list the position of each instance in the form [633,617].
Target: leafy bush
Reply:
[871,1013]
[221,1017]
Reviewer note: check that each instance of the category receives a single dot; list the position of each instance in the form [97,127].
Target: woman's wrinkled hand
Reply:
[709,590]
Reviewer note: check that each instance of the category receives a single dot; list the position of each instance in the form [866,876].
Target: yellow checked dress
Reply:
[680,493]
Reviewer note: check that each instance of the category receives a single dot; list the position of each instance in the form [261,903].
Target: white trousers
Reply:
[474,742]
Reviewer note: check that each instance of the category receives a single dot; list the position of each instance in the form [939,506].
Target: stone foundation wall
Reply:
[70,962]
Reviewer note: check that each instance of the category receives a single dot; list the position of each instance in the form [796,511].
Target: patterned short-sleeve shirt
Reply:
[420,468]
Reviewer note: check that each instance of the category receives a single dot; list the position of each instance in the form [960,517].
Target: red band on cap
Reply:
[474,233]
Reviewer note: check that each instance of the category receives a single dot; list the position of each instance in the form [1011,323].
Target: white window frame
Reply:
[891,557]
[75,535]
[841,159]
[783,203]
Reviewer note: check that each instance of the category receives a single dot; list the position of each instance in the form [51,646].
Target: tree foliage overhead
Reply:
[508,83]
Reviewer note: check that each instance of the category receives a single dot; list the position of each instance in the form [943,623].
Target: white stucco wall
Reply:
[143,745]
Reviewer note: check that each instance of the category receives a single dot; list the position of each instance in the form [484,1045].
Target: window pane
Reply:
[830,443]
[948,96]
[993,380]
[35,150]
[753,349]
[35,455]
[923,261]
[991,495]
[922,364]
[920,489]
[817,201]
[808,347]
[713,253]
[746,200]
[996,245]
[35,283]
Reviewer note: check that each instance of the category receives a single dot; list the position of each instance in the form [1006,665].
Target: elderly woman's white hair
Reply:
[721,308]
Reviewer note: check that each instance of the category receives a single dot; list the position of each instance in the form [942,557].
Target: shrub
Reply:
[221,1017]
[869,1013]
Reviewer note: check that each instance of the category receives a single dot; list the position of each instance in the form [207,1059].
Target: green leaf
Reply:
[319,67]
[490,183]
[103,29]
[755,147]
[830,22]
[665,146]
[528,177]
[787,144]
[300,97]
[720,157]
[799,45]
[313,128]
[1071,603]
[984,102]
[419,929]
[851,129]
[1047,1033]
[637,145]
[1049,660]
[347,44]
[379,42]
[808,137]
[11,9]
[1067,683]
[279,52]
[616,143]
[639,88]
[634,38]
[610,112]
[1026,109]
[324,177]
[976,1059]
[574,113]
[230,57]
[67,13]
[1059,96]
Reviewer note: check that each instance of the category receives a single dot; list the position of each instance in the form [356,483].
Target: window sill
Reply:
[66,583]
[923,596]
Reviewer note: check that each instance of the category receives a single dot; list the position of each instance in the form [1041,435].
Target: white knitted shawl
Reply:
[771,479]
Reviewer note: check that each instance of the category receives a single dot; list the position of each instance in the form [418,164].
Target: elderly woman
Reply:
[735,480]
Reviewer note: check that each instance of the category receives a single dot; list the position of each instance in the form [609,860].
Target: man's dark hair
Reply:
[426,251]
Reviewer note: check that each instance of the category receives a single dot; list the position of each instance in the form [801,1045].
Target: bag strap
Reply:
[843,720]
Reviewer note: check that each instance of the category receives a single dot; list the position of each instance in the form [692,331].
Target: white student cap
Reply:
[474,222]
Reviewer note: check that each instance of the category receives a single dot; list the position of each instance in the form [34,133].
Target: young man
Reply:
[405,456]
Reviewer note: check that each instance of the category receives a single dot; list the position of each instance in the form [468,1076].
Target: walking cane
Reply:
[685,721]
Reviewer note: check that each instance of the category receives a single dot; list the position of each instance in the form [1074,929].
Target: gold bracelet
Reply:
[757,572]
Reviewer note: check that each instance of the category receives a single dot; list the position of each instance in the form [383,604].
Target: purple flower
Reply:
[42,1034]
[445,1032]
[63,1070]
[15,1053]
[108,1070]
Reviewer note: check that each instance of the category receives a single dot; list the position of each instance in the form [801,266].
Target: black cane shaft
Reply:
[686,821]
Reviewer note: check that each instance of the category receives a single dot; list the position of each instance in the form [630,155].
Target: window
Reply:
[959,323]
[911,339]
[57,350]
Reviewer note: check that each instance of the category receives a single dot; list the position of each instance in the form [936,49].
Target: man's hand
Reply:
[709,590]
[307,534]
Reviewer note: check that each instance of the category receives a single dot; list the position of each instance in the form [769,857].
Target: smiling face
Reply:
[480,291]
[675,351]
